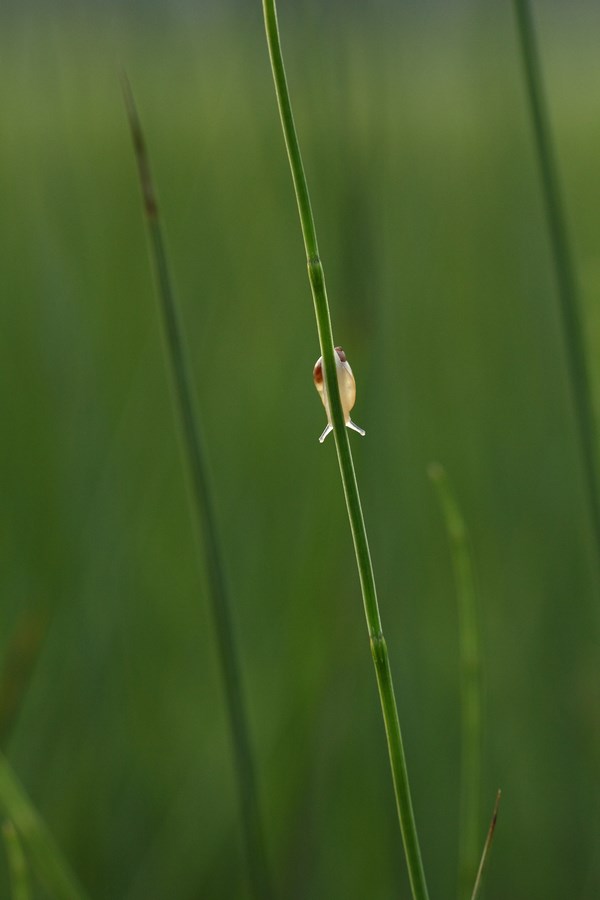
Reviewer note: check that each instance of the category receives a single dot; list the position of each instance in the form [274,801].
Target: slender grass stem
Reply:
[568,292]
[486,847]
[470,683]
[51,867]
[17,864]
[355,515]
[204,510]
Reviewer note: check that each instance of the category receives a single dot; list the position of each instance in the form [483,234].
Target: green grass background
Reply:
[419,155]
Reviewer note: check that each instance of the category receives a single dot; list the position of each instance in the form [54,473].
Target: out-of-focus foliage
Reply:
[419,156]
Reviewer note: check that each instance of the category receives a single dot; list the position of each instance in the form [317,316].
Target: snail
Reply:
[347,388]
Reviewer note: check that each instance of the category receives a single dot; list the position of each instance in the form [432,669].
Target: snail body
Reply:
[347,387]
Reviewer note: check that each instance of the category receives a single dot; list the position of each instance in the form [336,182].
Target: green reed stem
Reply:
[470,683]
[568,292]
[486,847]
[51,867]
[342,443]
[204,510]
[17,864]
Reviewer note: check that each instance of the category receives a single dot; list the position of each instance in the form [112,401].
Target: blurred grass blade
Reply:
[17,863]
[486,847]
[470,683]
[379,651]
[20,659]
[51,868]
[563,262]
[203,504]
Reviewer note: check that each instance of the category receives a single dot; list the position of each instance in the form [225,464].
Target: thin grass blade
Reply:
[17,864]
[379,650]
[204,510]
[486,847]
[49,863]
[568,290]
[470,682]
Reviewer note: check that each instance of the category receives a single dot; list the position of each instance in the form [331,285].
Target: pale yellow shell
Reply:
[347,386]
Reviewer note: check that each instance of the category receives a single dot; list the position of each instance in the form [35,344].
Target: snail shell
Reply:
[347,386]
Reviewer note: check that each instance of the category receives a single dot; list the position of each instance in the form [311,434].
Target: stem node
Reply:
[316,275]
[378,648]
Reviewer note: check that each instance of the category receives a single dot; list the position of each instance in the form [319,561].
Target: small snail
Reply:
[347,390]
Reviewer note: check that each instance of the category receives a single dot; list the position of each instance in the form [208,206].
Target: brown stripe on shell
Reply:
[318,373]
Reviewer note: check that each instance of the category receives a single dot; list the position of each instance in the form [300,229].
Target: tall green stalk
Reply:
[204,510]
[470,684]
[568,292]
[51,867]
[342,443]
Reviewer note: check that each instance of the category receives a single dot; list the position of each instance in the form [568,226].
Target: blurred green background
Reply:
[419,156]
